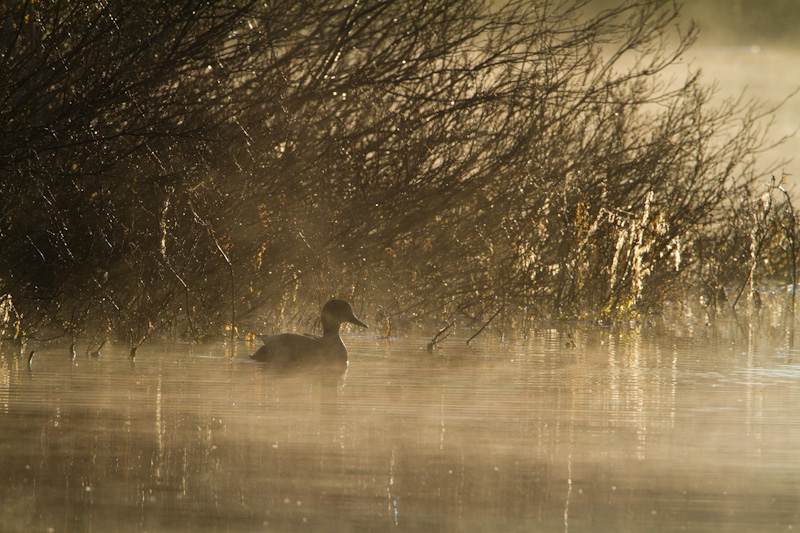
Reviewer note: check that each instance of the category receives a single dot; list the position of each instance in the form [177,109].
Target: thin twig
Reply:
[436,340]
[794,315]
[486,324]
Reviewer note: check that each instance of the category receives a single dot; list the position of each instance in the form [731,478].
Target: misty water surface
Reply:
[689,427]
[768,74]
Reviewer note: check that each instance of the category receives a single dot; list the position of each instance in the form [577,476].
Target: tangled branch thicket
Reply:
[165,165]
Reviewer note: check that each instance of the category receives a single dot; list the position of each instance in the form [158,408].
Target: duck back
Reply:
[292,351]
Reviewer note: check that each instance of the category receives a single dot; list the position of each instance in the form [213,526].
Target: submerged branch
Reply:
[440,336]
[484,325]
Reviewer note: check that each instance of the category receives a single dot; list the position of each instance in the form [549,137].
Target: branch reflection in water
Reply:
[575,428]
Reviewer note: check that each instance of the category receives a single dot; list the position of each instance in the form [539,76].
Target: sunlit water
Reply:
[769,75]
[694,429]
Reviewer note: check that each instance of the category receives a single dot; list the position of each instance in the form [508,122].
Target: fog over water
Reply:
[684,422]
[753,47]
[767,73]
[749,47]
[689,426]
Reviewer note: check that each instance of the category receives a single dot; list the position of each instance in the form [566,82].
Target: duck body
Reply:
[291,351]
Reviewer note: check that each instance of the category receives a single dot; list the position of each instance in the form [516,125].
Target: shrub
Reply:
[176,168]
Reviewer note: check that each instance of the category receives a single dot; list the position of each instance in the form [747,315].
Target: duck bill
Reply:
[357,322]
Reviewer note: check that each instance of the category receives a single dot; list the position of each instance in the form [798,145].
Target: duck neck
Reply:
[330,329]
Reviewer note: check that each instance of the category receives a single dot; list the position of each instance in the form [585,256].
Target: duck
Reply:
[293,351]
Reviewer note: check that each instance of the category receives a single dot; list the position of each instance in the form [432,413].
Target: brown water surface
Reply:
[695,428]
[769,75]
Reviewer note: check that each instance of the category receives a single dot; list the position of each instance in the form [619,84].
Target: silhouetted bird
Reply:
[292,351]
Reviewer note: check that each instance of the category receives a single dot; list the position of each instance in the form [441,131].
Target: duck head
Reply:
[337,311]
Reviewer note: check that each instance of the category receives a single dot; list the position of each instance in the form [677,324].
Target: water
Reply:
[770,76]
[695,428]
